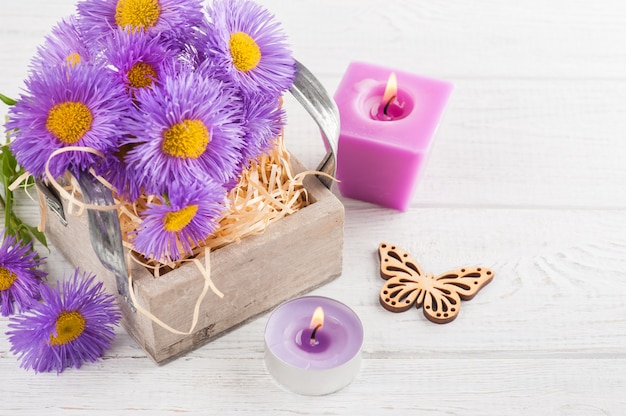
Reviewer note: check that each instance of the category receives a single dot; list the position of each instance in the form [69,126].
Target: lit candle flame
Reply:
[391,91]
[318,318]
[317,321]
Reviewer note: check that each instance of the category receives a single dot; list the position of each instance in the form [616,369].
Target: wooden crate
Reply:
[293,256]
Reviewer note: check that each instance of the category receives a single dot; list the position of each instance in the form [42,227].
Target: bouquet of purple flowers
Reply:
[159,97]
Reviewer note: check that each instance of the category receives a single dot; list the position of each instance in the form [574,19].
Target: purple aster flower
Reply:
[123,176]
[247,41]
[184,129]
[20,279]
[136,57]
[170,19]
[263,120]
[77,106]
[64,46]
[173,227]
[73,324]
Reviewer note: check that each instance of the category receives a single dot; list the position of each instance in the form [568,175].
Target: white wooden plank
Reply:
[484,386]
[503,39]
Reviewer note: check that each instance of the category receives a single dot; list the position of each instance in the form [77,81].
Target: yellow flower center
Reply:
[69,121]
[73,59]
[69,327]
[141,75]
[245,51]
[187,139]
[138,14]
[177,220]
[7,278]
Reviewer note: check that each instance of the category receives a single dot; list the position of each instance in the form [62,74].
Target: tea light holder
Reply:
[310,355]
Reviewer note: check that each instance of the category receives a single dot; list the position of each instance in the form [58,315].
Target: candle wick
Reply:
[388,104]
[313,341]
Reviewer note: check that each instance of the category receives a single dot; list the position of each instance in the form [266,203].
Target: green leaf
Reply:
[9,173]
[41,237]
[7,100]
[24,232]
[8,162]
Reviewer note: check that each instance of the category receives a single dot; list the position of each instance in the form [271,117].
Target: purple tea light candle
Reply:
[313,345]
[385,133]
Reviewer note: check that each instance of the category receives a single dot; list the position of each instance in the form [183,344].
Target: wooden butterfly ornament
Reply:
[440,297]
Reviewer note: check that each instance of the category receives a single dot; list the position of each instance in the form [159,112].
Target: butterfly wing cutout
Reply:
[403,287]
[407,285]
[445,292]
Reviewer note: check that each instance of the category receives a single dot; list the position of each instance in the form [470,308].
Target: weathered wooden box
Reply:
[294,255]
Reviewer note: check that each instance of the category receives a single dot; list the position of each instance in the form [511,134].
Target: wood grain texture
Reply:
[526,177]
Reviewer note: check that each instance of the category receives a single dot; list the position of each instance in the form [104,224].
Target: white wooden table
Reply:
[527,177]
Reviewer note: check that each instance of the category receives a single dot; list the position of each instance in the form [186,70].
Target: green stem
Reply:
[8,205]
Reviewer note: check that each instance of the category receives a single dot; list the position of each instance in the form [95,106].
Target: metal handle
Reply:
[312,95]
[104,226]
[104,231]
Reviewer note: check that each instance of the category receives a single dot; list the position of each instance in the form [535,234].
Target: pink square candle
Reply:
[384,142]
